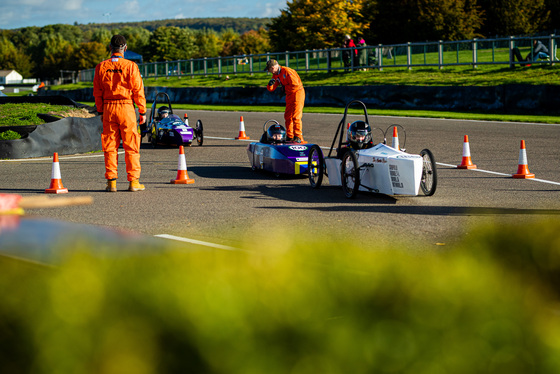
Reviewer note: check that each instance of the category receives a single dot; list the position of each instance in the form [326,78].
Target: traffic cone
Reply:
[395,143]
[186,119]
[56,182]
[182,174]
[466,163]
[522,168]
[242,130]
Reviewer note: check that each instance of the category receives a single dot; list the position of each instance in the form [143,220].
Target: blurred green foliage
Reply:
[489,305]
[25,114]
[9,135]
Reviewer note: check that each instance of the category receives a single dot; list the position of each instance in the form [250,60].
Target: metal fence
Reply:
[475,52]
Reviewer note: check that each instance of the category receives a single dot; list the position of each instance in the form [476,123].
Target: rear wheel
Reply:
[315,166]
[350,175]
[429,173]
[199,132]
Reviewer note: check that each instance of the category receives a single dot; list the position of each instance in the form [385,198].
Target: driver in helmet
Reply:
[359,135]
[163,112]
[276,134]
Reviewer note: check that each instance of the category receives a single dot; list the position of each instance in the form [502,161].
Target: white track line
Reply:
[505,175]
[60,157]
[193,241]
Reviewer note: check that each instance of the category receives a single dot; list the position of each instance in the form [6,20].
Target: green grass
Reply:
[485,75]
[26,114]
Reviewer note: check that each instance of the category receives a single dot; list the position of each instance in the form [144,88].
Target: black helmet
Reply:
[359,135]
[276,133]
[163,109]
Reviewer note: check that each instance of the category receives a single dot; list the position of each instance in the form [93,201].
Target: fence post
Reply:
[287,58]
[192,68]
[251,65]
[380,57]
[328,60]
[552,49]
[440,54]
[307,60]
[408,56]
[219,67]
[235,65]
[511,57]
[474,52]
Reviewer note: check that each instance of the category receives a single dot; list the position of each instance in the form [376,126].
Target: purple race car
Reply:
[272,153]
[166,128]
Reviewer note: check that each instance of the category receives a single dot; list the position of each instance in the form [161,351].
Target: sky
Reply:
[22,13]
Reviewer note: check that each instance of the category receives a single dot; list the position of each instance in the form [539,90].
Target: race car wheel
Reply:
[350,175]
[429,173]
[199,132]
[315,166]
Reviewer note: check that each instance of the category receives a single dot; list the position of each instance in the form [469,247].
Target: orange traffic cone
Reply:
[56,182]
[186,119]
[523,169]
[395,143]
[242,130]
[466,163]
[182,174]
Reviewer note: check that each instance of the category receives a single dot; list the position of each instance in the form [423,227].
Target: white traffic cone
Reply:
[466,162]
[182,174]
[395,143]
[56,181]
[523,168]
[242,134]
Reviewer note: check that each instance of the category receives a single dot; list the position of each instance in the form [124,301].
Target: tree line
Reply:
[43,52]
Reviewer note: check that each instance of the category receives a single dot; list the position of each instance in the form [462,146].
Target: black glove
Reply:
[271,82]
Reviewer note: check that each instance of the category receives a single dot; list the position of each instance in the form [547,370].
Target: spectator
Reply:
[539,51]
[348,53]
[363,54]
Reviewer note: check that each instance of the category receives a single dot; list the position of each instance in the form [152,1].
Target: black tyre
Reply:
[428,183]
[315,166]
[199,130]
[350,174]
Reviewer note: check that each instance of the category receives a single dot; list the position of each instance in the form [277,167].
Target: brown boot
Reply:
[136,186]
[111,185]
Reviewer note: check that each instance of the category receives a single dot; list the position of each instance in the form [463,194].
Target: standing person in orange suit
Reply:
[295,97]
[117,86]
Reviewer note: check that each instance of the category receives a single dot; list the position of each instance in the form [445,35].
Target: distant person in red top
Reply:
[347,54]
[117,86]
[295,98]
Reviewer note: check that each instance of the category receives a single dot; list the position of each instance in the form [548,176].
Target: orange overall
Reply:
[295,99]
[117,86]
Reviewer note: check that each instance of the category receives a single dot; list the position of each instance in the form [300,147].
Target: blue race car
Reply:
[273,154]
[166,128]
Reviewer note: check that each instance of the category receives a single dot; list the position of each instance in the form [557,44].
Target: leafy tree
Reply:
[89,54]
[254,42]
[230,42]
[514,17]
[208,42]
[12,58]
[450,19]
[172,43]
[137,38]
[311,24]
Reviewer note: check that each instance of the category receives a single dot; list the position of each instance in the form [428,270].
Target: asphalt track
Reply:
[229,204]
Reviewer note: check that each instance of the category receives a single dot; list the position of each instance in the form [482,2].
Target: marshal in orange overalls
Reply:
[117,86]
[295,99]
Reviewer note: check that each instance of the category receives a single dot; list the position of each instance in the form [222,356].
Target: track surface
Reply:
[229,203]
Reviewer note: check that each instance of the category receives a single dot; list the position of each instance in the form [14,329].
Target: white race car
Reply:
[357,164]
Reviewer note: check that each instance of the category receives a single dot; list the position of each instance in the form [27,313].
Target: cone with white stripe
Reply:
[56,180]
[523,168]
[395,143]
[242,134]
[466,162]
[182,174]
